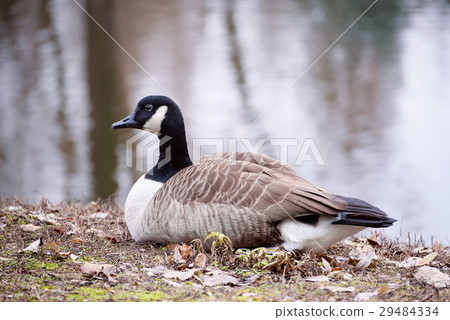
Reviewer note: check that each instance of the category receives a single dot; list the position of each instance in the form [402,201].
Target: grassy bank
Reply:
[76,252]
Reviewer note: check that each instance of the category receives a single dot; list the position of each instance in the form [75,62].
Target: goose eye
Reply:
[149,107]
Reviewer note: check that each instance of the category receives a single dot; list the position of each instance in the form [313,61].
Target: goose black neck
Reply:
[173,157]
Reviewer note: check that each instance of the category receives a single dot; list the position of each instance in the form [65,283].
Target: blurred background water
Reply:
[376,104]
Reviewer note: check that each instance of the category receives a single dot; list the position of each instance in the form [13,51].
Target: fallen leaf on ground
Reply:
[365,261]
[318,278]
[360,251]
[200,260]
[373,242]
[252,279]
[111,238]
[393,286]
[29,228]
[50,218]
[93,268]
[422,250]
[365,296]
[61,229]
[180,252]
[171,247]
[338,289]
[427,259]
[326,265]
[173,283]
[4,259]
[34,246]
[155,270]
[432,276]
[336,269]
[12,208]
[180,275]
[411,262]
[77,240]
[64,254]
[383,290]
[73,256]
[248,294]
[97,232]
[2,225]
[177,255]
[217,278]
[186,251]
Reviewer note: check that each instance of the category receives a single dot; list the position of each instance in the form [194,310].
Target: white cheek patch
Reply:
[154,123]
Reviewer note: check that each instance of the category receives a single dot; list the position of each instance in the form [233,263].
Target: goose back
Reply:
[243,195]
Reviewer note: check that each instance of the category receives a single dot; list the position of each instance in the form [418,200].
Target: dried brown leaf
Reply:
[427,259]
[383,290]
[111,239]
[326,265]
[360,251]
[73,256]
[217,278]
[108,269]
[29,228]
[338,288]
[181,252]
[77,240]
[408,263]
[155,270]
[336,269]
[365,296]
[94,269]
[61,229]
[200,260]
[318,279]
[34,246]
[186,251]
[177,255]
[97,232]
[432,276]
[171,247]
[46,218]
[173,283]
[365,261]
[180,275]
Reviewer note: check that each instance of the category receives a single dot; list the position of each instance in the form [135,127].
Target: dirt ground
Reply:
[83,252]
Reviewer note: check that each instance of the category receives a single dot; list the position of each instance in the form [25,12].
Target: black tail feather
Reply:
[361,213]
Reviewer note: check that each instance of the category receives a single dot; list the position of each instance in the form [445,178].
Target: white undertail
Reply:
[318,237]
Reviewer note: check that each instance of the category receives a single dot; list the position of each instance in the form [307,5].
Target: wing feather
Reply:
[253,181]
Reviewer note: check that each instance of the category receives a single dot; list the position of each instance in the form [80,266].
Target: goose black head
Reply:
[157,114]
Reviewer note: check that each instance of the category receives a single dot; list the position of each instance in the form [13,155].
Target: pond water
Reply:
[373,110]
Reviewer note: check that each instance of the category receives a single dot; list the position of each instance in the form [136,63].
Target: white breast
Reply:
[137,201]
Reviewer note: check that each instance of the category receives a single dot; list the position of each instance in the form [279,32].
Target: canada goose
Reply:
[251,198]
